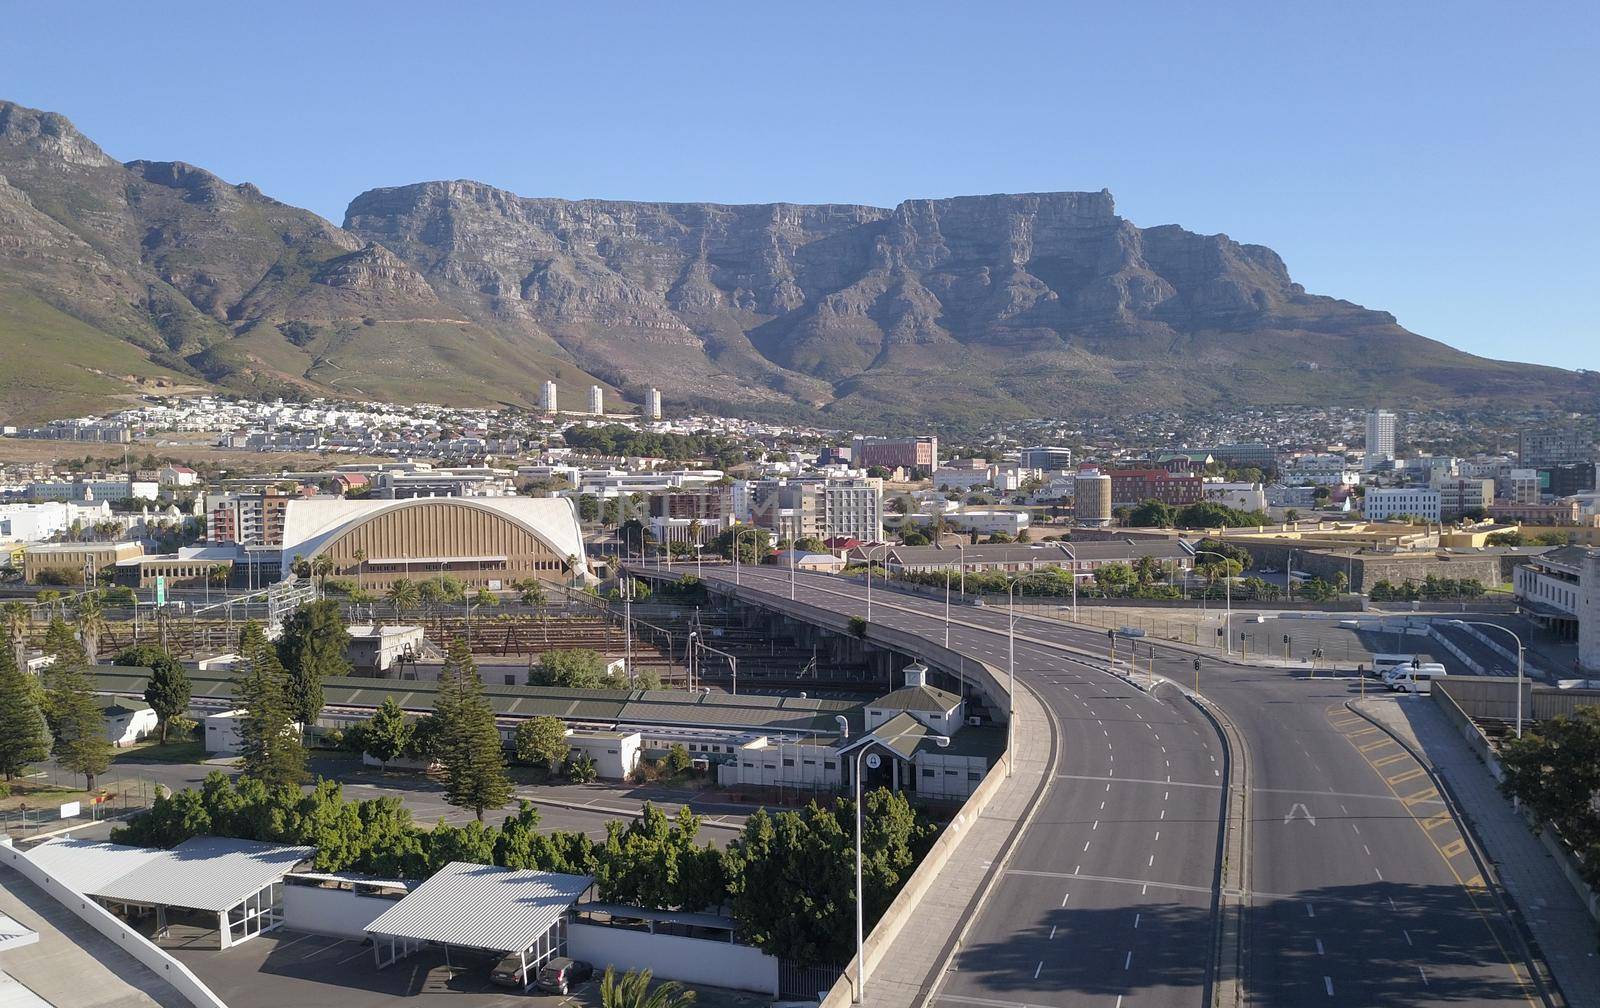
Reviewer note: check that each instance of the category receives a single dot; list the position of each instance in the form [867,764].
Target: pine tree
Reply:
[469,744]
[313,647]
[272,754]
[168,690]
[76,715]
[24,736]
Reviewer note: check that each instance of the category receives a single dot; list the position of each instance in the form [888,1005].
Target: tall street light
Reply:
[942,742]
[1011,660]
[1227,589]
[736,537]
[1521,678]
[870,551]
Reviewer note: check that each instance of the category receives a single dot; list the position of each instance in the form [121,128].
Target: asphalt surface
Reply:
[1361,891]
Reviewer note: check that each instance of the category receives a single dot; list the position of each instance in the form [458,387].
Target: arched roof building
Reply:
[486,542]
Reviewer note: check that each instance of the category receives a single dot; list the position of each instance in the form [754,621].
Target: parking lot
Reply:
[294,968]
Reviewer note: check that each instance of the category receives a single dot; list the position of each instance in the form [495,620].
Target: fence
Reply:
[119,798]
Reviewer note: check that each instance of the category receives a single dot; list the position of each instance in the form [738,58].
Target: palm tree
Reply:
[632,990]
[360,557]
[403,594]
[321,567]
[91,624]
[18,619]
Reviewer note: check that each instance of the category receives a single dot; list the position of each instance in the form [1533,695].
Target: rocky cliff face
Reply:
[1028,304]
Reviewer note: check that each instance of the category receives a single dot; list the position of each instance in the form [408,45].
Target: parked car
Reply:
[562,975]
[508,972]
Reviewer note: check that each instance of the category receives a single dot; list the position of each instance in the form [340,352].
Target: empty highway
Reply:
[1360,890]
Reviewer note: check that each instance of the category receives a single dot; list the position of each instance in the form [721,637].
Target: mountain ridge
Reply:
[458,291]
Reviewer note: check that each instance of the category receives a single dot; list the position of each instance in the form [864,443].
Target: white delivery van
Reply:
[1406,679]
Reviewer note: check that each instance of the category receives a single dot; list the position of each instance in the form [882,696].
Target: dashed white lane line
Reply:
[1319,947]
[1037,968]
[1327,982]
[1136,921]
[1408,937]
[1424,976]
[1311,911]
[1086,845]
[1052,932]
[1128,961]
[1095,826]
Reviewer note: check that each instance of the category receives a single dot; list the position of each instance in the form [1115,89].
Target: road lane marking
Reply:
[1128,961]
[1037,968]
[1327,982]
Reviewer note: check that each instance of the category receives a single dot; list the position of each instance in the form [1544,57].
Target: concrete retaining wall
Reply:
[905,903]
[108,924]
[674,957]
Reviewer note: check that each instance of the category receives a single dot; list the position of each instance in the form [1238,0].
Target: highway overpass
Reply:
[1353,883]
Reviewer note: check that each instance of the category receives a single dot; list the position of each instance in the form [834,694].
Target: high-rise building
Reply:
[1460,495]
[1380,437]
[1046,458]
[814,508]
[895,453]
[1091,502]
[652,404]
[1556,446]
[547,400]
[597,400]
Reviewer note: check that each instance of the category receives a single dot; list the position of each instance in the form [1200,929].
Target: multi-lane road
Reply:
[1360,890]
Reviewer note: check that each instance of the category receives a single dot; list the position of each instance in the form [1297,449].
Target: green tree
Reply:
[24,734]
[542,740]
[403,596]
[1151,514]
[388,733]
[485,597]
[755,543]
[76,716]
[270,748]
[531,593]
[18,620]
[678,759]
[468,745]
[632,990]
[168,690]
[582,770]
[574,668]
[1554,769]
[314,645]
[91,620]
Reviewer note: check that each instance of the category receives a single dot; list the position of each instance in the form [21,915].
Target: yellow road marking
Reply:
[1374,745]
[1409,775]
[1426,794]
[1399,757]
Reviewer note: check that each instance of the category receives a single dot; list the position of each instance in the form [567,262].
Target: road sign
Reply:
[874,761]
[161,589]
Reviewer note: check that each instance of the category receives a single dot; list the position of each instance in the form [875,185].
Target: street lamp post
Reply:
[861,959]
[1227,590]
[1011,662]
[1521,676]
[689,655]
[871,551]
[736,537]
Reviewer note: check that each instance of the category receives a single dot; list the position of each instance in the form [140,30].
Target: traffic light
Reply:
[1221,632]
[1286,638]
[1197,664]
[1112,634]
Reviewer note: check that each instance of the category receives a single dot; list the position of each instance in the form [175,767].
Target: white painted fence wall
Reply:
[330,911]
[108,924]
[673,957]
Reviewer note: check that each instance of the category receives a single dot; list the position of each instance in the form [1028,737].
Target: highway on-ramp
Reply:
[1361,891]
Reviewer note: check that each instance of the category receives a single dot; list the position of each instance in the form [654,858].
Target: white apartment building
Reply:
[1459,495]
[26,523]
[597,400]
[547,398]
[1384,504]
[1380,437]
[652,404]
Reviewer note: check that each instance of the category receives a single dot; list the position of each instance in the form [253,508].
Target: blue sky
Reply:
[1434,160]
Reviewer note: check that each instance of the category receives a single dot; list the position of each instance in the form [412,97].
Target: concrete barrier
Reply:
[905,902]
[104,921]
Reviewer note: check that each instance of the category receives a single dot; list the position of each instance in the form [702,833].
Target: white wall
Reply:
[330,911]
[672,957]
[108,924]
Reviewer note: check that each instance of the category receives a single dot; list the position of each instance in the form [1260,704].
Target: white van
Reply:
[1382,663]
[1406,679]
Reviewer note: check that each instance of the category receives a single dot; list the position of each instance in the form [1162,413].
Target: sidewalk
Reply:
[910,966]
[1565,932]
[73,965]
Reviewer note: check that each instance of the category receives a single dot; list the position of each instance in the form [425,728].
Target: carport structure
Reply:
[482,908]
[233,887]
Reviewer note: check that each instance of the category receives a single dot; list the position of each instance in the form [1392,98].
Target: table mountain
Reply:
[115,275]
